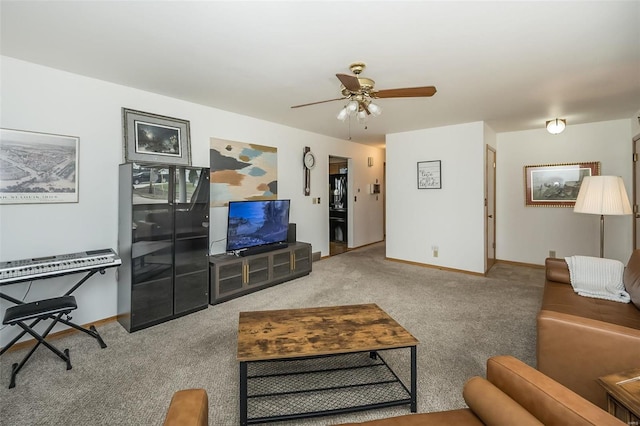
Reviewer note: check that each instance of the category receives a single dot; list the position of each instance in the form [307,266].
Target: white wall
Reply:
[451,218]
[526,234]
[42,99]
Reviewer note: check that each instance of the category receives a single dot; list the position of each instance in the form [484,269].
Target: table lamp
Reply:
[603,195]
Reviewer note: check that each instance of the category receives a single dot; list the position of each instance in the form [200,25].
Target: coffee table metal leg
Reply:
[414,380]
[243,393]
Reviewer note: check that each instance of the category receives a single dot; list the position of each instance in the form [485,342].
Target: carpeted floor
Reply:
[460,320]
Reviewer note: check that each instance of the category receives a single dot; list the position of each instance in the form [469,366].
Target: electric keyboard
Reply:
[46,267]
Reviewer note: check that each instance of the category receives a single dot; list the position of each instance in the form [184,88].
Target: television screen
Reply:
[257,223]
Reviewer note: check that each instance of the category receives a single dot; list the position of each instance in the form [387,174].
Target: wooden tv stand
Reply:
[232,276]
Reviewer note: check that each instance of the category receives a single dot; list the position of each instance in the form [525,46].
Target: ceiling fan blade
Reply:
[350,82]
[409,92]
[320,102]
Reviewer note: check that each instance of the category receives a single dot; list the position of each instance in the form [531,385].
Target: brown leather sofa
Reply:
[189,407]
[582,338]
[512,394]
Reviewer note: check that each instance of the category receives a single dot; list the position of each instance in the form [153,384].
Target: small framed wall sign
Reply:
[429,174]
[38,168]
[556,185]
[152,138]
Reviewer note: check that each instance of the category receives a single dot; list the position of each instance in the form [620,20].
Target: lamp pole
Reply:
[602,235]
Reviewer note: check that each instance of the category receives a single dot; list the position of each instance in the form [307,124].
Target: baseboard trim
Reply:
[364,245]
[511,262]
[352,249]
[61,333]
[442,268]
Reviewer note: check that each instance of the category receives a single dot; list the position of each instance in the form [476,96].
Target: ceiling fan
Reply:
[360,92]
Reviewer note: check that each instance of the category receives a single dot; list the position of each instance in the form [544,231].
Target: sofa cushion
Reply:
[561,298]
[631,278]
[462,416]
[493,406]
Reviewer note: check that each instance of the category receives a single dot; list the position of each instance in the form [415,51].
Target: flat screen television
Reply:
[257,223]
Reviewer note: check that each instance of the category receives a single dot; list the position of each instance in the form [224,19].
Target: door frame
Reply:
[490,239]
[635,189]
[347,162]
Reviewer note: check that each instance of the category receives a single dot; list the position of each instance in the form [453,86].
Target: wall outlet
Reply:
[434,249]
[552,253]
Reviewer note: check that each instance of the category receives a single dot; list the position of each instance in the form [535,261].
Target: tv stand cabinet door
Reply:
[301,255]
[227,278]
[257,269]
[282,264]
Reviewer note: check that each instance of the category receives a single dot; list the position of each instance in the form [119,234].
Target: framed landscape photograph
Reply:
[556,185]
[38,168]
[152,138]
[429,175]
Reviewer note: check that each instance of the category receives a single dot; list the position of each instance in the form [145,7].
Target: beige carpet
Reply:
[460,320]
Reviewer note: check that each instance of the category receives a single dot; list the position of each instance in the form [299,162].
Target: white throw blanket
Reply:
[596,277]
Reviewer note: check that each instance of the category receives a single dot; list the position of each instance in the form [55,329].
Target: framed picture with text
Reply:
[38,168]
[429,175]
[152,138]
[556,185]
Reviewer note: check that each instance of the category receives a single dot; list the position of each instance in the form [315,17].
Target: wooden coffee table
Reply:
[297,363]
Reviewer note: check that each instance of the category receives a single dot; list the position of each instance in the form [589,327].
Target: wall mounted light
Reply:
[556,126]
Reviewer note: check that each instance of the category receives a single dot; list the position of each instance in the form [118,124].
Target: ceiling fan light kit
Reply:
[359,91]
[374,109]
[556,126]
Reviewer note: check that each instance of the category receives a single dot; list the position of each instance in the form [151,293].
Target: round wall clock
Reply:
[309,160]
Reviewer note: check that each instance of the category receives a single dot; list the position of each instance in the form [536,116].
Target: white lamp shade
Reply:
[603,195]
[556,126]
[343,114]
[352,107]
[374,109]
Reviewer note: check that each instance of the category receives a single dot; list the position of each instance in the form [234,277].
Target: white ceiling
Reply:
[511,64]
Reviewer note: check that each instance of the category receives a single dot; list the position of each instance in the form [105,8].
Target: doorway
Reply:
[490,208]
[636,193]
[338,205]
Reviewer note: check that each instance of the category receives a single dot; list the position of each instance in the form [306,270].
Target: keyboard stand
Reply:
[91,331]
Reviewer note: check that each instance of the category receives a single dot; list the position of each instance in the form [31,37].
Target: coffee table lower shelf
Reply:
[296,388]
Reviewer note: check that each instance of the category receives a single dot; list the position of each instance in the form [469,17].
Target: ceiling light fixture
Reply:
[556,126]
[359,106]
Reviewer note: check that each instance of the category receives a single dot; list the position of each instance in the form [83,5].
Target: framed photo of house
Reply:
[429,174]
[556,185]
[152,138]
[38,168]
